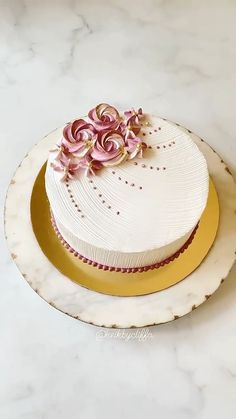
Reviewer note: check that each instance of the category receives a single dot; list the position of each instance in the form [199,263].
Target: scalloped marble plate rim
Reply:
[103,310]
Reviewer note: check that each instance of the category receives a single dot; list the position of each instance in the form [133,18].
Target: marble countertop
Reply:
[58,59]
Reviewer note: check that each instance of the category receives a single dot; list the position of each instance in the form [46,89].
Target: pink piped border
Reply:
[123,270]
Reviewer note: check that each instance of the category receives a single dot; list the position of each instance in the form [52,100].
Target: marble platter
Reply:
[104,310]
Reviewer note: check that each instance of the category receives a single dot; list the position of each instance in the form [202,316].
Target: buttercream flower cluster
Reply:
[105,139]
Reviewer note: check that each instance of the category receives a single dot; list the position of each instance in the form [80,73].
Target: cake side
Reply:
[139,212]
[118,259]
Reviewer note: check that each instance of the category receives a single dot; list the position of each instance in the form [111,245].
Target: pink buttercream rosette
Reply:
[106,139]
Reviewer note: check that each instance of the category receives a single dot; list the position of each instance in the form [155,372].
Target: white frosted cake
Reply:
[126,190]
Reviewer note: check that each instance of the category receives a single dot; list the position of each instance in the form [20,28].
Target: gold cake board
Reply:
[117,283]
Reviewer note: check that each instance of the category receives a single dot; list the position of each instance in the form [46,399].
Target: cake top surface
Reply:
[146,202]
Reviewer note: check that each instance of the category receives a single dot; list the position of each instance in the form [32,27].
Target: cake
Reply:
[126,189]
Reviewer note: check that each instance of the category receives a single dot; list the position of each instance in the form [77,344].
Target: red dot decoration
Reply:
[72,199]
[165,145]
[150,132]
[151,167]
[100,195]
[111,268]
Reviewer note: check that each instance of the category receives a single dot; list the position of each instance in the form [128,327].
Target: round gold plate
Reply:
[116,283]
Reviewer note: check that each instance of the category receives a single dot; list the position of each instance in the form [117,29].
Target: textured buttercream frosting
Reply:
[139,212]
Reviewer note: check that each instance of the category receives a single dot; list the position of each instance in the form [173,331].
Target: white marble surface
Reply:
[57,59]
